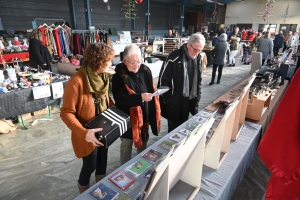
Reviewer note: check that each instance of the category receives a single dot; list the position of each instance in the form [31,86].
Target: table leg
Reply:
[23,123]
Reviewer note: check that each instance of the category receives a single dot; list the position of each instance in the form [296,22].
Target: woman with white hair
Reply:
[218,54]
[133,88]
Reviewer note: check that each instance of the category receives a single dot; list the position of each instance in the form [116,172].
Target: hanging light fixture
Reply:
[105,1]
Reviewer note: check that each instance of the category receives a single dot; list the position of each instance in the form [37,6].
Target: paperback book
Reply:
[121,180]
[138,167]
[103,192]
[153,155]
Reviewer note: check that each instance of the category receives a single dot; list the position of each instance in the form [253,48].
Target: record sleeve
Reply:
[121,179]
[138,167]
[103,192]
[153,155]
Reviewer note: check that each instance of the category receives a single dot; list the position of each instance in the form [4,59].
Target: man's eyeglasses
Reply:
[196,50]
[134,62]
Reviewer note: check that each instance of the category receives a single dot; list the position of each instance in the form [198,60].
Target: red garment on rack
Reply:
[57,42]
[279,148]
[44,38]
[78,44]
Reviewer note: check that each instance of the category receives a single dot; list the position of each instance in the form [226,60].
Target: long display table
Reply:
[21,102]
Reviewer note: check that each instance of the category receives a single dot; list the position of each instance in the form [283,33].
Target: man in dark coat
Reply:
[278,41]
[182,73]
[218,58]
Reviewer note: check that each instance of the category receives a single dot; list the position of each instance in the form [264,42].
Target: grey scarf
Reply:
[186,87]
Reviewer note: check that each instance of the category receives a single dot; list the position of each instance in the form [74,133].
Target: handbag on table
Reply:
[114,123]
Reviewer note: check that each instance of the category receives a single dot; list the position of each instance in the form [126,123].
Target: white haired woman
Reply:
[133,88]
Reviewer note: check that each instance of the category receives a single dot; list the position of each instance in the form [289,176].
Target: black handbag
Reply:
[114,123]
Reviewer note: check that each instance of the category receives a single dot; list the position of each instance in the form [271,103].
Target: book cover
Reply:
[121,180]
[184,131]
[176,137]
[124,197]
[103,192]
[153,155]
[139,167]
[166,145]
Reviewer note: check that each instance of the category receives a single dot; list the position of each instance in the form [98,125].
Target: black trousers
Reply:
[184,114]
[96,160]
[275,51]
[220,69]
[262,61]
[284,47]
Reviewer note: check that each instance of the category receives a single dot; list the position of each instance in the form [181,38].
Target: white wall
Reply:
[247,11]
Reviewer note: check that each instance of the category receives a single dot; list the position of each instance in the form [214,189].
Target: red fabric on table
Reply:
[279,148]
[8,57]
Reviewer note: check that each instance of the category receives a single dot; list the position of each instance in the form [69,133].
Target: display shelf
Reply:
[181,167]
[170,44]
[217,147]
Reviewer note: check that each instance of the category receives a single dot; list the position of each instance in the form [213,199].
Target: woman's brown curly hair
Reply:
[97,56]
[36,34]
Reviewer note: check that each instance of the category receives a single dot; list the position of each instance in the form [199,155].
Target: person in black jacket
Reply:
[205,34]
[182,73]
[218,54]
[39,55]
[278,42]
[133,88]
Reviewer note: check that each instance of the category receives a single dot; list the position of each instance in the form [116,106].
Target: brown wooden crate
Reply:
[40,112]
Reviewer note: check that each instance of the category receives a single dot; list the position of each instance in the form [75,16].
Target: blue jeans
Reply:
[245,54]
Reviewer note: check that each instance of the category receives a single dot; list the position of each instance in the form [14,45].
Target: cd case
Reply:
[121,180]
[153,155]
[103,192]
[138,167]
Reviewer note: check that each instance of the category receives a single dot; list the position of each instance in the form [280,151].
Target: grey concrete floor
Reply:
[39,163]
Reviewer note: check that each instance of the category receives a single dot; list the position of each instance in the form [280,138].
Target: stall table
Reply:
[209,57]
[21,102]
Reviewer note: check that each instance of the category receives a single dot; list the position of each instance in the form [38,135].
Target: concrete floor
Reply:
[39,163]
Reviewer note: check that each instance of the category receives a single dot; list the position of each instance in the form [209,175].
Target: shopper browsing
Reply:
[182,73]
[133,88]
[218,54]
[84,98]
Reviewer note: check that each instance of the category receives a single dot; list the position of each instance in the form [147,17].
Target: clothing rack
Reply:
[41,21]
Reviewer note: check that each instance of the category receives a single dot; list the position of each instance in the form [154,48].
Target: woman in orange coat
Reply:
[84,98]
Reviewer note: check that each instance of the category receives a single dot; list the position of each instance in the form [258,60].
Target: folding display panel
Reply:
[179,166]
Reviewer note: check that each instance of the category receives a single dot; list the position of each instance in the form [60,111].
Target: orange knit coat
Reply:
[78,109]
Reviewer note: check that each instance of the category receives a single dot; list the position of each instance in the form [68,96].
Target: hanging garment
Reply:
[54,49]
[57,42]
[63,50]
[44,39]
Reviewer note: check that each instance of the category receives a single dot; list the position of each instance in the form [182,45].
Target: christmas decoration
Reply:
[214,16]
[139,1]
[129,9]
[286,13]
[266,14]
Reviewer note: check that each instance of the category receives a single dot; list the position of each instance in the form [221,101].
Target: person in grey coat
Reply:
[265,46]
[218,54]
